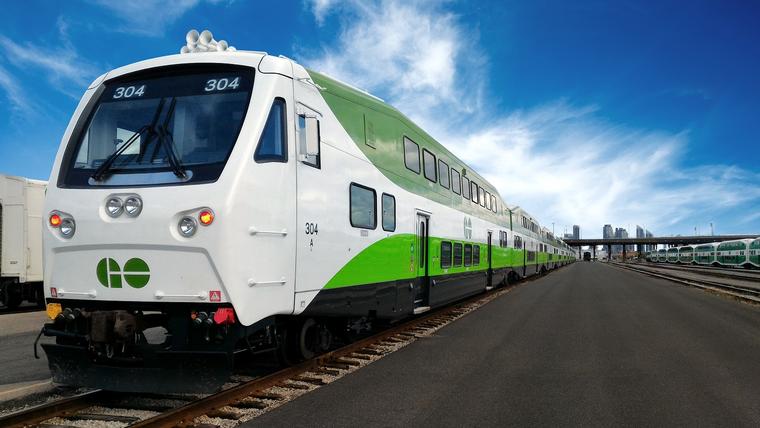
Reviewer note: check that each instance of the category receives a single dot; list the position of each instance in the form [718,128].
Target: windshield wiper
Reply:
[166,139]
[102,169]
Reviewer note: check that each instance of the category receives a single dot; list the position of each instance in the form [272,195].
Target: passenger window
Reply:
[428,162]
[476,255]
[363,206]
[488,200]
[443,173]
[389,212]
[457,254]
[456,183]
[494,208]
[411,155]
[482,197]
[474,192]
[445,255]
[273,144]
[467,254]
[465,188]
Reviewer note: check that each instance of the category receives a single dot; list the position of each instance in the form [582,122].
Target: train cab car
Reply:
[754,253]
[671,256]
[686,254]
[218,204]
[704,254]
[733,253]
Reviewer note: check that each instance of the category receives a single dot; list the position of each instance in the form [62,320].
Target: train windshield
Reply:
[167,129]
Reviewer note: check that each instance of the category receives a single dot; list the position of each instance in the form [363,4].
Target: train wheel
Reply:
[314,339]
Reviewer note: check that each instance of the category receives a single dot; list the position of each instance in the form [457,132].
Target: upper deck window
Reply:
[172,126]
[411,155]
[428,160]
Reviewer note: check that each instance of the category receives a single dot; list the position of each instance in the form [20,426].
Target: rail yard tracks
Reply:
[700,279]
[246,399]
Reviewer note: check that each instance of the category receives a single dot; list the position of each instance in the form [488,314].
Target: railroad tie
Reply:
[309,379]
[250,404]
[224,414]
[268,396]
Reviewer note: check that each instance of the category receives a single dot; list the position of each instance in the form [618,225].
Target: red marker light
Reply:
[55,220]
[53,292]
[206,217]
[224,316]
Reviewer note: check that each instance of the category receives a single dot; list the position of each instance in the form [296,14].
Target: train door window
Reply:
[482,197]
[411,155]
[443,173]
[488,201]
[518,242]
[467,254]
[476,255]
[457,254]
[428,163]
[273,144]
[474,192]
[363,204]
[389,212]
[456,183]
[465,188]
[310,140]
[445,255]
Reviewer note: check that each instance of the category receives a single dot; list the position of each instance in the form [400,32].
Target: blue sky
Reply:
[581,112]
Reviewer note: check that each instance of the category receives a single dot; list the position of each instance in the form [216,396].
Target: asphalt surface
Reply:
[17,334]
[590,345]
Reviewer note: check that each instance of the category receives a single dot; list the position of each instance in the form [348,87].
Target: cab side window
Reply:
[273,145]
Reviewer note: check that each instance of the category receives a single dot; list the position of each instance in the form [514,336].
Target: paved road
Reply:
[17,334]
[588,345]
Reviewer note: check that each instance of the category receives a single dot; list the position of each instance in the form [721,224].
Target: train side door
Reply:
[422,288]
[317,220]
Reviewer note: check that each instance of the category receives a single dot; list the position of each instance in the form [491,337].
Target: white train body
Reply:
[283,240]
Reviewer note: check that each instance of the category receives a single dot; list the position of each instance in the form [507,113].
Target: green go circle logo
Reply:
[110,275]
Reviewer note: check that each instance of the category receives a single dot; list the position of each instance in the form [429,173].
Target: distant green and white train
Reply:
[208,205]
[738,253]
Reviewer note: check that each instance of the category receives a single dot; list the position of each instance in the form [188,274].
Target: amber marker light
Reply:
[55,220]
[206,217]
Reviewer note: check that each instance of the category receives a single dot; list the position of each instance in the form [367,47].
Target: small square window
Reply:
[411,155]
[428,163]
[456,183]
[443,173]
[457,254]
[445,255]
[389,212]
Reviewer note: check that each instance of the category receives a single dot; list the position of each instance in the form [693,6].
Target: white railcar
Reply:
[20,240]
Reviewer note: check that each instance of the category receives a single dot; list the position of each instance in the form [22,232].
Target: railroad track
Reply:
[248,399]
[722,272]
[747,294]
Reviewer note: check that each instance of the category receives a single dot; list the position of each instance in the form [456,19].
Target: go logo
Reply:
[136,273]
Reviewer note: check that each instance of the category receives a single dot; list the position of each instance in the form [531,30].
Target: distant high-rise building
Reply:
[607,231]
[576,232]
[639,231]
[648,234]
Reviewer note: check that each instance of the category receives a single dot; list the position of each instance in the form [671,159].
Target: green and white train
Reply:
[737,253]
[219,203]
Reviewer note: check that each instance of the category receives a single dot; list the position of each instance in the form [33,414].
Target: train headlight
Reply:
[187,226]
[133,206]
[67,227]
[114,207]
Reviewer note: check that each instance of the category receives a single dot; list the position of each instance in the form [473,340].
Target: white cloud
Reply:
[561,162]
[13,92]
[147,17]
[320,9]
[61,64]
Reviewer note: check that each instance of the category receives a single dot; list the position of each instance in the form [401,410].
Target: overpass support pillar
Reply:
[593,252]
[624,253]
[609,252]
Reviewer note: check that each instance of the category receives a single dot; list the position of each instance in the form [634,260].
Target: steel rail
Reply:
[747,294]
